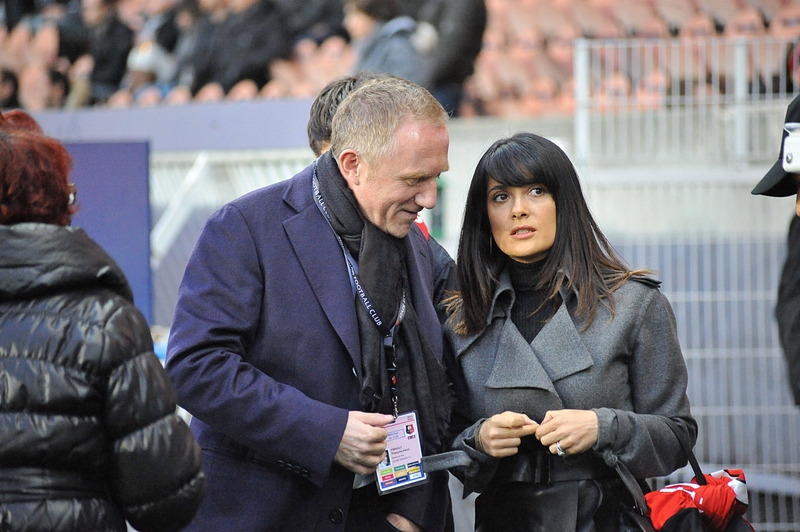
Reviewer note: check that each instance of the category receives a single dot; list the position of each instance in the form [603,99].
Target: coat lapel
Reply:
[515,365]
[323,263]
[517,380]
[559,347]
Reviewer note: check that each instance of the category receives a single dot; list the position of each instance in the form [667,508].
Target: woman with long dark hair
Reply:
[89,435]
[566,361]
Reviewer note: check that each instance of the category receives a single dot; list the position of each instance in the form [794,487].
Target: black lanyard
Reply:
[389,347]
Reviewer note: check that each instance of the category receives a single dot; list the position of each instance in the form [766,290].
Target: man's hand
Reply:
[401,523]
[363,443]
[501,434]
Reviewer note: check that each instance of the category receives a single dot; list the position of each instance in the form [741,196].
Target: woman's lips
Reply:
[522,232]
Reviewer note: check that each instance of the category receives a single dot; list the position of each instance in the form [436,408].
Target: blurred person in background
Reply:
[778,182]
[16,10]
[90,434]
[42,87]
[197,38]
[152,61]
[98,74]
[9,89]
[312,19]
[36,33]
[382,39]
[459,27]
[242,46]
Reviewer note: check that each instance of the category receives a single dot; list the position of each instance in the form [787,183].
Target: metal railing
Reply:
[691,100]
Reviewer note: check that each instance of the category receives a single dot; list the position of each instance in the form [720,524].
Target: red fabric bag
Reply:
[719,499]
[710,503]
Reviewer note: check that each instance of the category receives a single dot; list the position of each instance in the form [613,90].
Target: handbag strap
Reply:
[687,450]
[633,486]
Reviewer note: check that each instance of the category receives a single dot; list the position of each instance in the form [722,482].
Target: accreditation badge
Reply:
[402,466]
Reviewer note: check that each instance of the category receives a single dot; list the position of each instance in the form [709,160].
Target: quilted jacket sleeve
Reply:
[156,470]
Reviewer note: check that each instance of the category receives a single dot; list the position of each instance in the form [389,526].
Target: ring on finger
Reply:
[559,450]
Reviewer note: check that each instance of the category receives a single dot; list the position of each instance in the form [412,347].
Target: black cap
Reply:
[777,183]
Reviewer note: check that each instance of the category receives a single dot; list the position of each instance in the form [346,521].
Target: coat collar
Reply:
[557,351]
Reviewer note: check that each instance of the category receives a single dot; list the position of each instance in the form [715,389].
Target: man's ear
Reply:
[349,163]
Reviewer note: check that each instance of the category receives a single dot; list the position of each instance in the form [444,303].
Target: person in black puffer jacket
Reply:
[89,435]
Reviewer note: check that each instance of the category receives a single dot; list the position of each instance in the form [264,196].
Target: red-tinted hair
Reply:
[34,173]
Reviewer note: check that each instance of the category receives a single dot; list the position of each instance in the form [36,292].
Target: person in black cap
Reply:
[777,182]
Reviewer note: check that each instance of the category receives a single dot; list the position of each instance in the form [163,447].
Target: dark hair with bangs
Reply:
[34,173]
[581,257]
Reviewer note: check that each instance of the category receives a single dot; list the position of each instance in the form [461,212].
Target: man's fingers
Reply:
[363,442]
[371,435]
[370,461]
[373,419]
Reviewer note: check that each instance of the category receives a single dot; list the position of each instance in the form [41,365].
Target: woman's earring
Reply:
[490,245]
[73,194]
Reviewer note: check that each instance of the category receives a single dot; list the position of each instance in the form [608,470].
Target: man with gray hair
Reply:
[305,326]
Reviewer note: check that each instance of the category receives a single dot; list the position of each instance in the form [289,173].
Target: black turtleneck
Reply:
[524,315]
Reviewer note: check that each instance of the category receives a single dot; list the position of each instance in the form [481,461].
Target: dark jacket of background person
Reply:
[289,316]
[242,47]
[87,413]
[112,40]
[460,25]
[198,51]
[787,309]
[444,277]
[15,10]
[9,89]
[388,50]
[315,19]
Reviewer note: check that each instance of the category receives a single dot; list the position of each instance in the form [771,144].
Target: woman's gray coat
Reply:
[626,366]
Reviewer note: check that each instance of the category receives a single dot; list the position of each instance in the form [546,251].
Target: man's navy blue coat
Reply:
[264,352]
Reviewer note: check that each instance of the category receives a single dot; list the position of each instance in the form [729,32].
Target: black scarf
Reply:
[421,380]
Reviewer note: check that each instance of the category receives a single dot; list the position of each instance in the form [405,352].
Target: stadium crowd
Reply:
[492,57]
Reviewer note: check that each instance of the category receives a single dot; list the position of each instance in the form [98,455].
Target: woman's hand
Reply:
[500,434]
[574,430]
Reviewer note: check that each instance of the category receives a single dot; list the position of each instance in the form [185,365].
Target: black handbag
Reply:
[635,518]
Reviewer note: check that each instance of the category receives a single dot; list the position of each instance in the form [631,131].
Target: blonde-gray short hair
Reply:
[368,117]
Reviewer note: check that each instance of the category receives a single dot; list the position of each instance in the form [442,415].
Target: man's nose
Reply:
[426,197]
